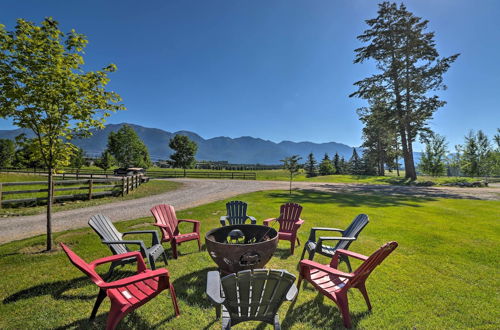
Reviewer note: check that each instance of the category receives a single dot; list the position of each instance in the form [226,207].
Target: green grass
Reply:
[153,187]
[443,275]
[11,177]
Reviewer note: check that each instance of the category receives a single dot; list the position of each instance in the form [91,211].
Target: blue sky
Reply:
[277,70]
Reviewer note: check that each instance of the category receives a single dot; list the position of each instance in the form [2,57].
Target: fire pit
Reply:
[240,247]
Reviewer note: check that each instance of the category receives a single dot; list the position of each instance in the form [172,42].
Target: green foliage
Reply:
[433,158]
[336,164]
[7,152]
[326,167]
[475,159]
[185,151]
[291,164]
[410,68]
[128,149]
[355,164]
[106,161]
[77,160]
[26,155]
[43,87]
[310,166]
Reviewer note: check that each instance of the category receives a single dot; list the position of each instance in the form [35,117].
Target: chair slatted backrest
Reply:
[103,226]
[365,269]
[82,265]
[289,215]
[256,294]
[353,231]
[236,212]
[164,214]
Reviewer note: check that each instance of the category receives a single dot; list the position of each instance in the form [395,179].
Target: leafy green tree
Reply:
[409,70]
[343,166]
[310,166]
[7,152]
[128,149]
[355,164]
[26,155]
[77,160]
[106,161]
[326,167]
[336,163]
[43,87]
[433,160]
[291,164]
[185,151]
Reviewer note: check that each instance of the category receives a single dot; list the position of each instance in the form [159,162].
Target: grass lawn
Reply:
[153,187]
[444,274]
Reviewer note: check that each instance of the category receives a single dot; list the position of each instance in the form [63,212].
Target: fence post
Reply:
[128,184]
[0,195]
[77,174]
[123,186]
[90,188]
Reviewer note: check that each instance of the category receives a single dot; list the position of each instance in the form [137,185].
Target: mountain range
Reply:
[242,150]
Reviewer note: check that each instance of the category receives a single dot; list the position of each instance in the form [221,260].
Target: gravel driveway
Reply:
[196,192]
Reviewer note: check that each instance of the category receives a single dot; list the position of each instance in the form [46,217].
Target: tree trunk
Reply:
[412,175]
[50,197]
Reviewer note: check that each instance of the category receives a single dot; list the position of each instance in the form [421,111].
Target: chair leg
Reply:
[152,262]
[303,252]
[174,300]
[348,263]
[343,303]
[114,317]
[174,249]
[298,241]
[164,254]
[199,244]
[100,297]
[277,325]
[362,288]
[218,311]
[292,247]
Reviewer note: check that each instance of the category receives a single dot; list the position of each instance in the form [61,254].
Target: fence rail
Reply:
[97,187]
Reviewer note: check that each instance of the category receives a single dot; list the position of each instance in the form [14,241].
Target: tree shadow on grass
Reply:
[319,313]
[191,288]
[370,199]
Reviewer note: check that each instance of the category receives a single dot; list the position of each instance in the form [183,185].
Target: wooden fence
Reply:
[107,187]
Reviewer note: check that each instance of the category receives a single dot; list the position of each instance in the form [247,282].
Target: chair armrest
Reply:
[196,224]
[298,223]
[329,238]
[351,254]
[141,266]
[165,227]
[213,287]
[267,221]
[154,239]
[312,234]
[253,221]
[313,264]
[292,293]
[142,247]
[135,278]
[223,220]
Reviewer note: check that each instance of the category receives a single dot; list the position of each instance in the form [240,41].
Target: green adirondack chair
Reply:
[250,295]
[236,214]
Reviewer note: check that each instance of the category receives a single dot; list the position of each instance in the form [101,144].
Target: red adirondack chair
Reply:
[169,224]
[289,221]
[334,284]
[126,294]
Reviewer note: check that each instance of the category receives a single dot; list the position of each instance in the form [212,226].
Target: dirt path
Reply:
[196,192]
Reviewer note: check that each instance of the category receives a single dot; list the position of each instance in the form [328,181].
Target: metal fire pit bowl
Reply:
[233,255]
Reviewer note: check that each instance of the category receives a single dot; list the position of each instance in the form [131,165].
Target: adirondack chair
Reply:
[169,224]
[110,236]
[250,295]
[126,294]
[236,214]
[315,245]
[289,221]
[334,284]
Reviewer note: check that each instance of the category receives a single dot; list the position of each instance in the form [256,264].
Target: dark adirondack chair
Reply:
[126,294]
[169,224]
[315,245]
[290,222]
[250,295]
[110,236]
[334,284]
[236,214]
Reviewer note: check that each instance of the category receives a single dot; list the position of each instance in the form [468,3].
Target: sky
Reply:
[276,70]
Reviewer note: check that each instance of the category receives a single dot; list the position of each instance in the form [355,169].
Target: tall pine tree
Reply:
[310,166]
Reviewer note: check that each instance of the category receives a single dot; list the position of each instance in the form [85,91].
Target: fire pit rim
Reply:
[271,229]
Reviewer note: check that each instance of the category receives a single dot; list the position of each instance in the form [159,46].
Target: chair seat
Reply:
[326,282]
[137,293]
[284,236]
[186,237]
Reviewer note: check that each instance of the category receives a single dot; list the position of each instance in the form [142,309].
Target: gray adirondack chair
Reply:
[315,245]
[236,214]
[250,295]
[109,235]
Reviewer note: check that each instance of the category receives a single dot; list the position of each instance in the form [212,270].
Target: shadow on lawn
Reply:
[191,288]
[351,199]
[319,313]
